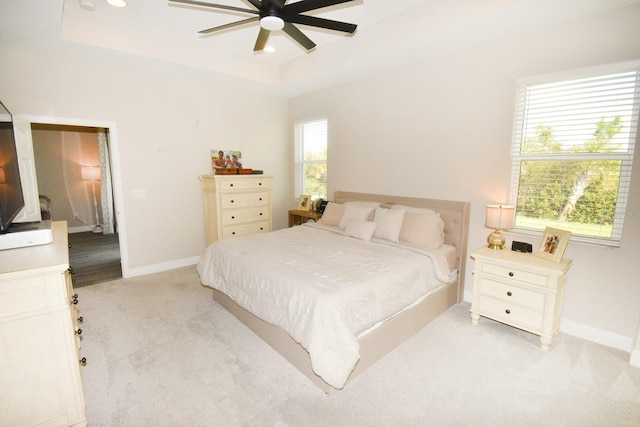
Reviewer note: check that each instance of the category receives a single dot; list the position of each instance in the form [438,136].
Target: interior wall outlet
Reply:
[139,194]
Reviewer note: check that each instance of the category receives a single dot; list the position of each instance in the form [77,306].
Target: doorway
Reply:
[74,185]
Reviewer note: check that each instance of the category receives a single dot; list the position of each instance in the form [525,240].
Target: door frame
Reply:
[114,154]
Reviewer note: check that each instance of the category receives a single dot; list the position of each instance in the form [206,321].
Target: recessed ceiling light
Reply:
[117,3]
[269,49]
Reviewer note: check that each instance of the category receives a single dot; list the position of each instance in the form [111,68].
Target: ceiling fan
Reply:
[275,15]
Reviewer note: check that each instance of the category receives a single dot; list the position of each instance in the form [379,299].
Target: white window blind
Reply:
[310,158]
[572,151]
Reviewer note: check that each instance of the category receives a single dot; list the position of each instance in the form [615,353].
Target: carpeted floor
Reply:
[161,352]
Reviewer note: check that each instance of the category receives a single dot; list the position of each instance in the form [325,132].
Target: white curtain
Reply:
[106,192]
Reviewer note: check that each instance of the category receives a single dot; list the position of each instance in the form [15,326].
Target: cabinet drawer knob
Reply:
[260,199]
[233,217]
[233,232]
[259,183]
[507,311]
[511,274]
[80,319]
[231,185]
[509,293]
[260,213]
[74,301]
[232,201]
[83,361]
[78,332]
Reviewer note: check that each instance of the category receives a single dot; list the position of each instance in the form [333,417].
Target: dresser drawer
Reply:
[31,293]
[511,293]
[244,184]
[514,274]
[240,216]
[246,229]
[244,200]
[511,314]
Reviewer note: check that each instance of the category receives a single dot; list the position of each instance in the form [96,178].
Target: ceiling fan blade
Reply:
[322,23]
[307,5]
[256,3]
[216,6]
[297,35]
[261,41]
[230,25]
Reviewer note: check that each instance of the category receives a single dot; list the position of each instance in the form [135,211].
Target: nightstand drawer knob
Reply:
[507,311]
[511,274]
[509,293]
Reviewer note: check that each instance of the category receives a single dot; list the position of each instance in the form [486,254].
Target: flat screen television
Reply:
[11,197]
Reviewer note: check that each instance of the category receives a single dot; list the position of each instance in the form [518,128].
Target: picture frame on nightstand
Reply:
[304,202]
[553,244]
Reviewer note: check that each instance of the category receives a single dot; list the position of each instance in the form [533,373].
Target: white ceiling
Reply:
[390,33]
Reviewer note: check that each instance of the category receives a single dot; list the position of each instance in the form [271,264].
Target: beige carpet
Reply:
[161,352]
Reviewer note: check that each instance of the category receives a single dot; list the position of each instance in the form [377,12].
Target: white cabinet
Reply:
[519,289]
[40,382]
[236,205]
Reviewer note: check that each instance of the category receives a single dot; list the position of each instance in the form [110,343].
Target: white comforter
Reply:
[320,286]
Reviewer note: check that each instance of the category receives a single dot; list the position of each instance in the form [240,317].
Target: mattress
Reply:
[322,287]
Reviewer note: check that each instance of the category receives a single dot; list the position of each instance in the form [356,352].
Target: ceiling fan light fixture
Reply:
[117,3]
[271,23]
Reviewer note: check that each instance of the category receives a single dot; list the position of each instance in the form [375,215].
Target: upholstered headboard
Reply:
[454,214]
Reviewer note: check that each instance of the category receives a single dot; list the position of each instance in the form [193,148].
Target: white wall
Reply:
[442,129]
[167,119]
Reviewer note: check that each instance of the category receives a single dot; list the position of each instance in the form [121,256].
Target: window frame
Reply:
[626,158]
[299,162]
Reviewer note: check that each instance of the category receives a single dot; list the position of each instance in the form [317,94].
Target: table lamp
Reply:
[499,218]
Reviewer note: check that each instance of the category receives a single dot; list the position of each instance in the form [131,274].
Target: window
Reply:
[572,152]
[310,158]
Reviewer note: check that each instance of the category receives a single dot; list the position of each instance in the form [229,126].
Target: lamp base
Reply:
[495,240]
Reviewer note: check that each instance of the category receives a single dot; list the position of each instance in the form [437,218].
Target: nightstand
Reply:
[520,290]
[297,217]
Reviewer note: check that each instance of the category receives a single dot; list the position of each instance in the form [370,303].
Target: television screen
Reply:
[11,198]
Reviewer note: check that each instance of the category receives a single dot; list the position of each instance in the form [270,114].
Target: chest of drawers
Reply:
[520,290]
[236,205]
[40,378]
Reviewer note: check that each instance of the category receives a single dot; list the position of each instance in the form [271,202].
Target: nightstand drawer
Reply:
[510,313]
[244,200]
[514,274]
[239,216]
[510,293]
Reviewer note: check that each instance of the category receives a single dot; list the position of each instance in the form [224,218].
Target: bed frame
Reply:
[392,333]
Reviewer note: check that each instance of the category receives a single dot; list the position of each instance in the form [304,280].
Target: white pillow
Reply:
[354,212]
[423,231]
[362,230]
[414,209]
[332,214]
[389,223]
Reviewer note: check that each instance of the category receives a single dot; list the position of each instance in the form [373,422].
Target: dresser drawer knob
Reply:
[509,293]
[78,332]
[260,199]
[80,319]
[511,274]
[233,217]
[231,185]
[507,311]
[83,361]
[260,213]
[232,201]
[259,183]
[233,232]
[74,301]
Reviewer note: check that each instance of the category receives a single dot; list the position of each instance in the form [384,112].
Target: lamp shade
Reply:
[499,217]
[91,173]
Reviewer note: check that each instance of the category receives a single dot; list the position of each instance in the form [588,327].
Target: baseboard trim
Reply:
[158,268]
[596,335]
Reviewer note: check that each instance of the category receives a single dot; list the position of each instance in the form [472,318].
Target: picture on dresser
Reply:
[226,159]
[553,244]
[304,202]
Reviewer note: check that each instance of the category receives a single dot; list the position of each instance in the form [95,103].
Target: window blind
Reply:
[310,158]
[572,151]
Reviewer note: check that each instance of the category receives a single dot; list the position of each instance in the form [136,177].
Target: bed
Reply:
[336,296]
